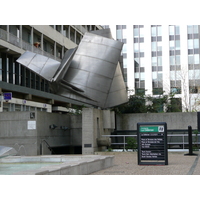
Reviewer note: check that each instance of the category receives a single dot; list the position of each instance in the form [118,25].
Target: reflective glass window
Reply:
[136,62]
[197,74]
[154,61]
[177,28]
[153,31]
[142,76]
[195,29]
[142,62]
[171,45]
[137,75]
[136,32]
[196,59]
[153,46]
[172,60]
[178,60]
[136,47]
[159,46]
[191,74]
[125,63]
[190,44]
[196,43]
[124,49]
[159,29]
[124,33]
[190,59]
[172,75]
[142,47]
[177,44]
[119,34]
[159,76]
[154,75]
[171,30]
[190,29]
[159,61]
[141,32]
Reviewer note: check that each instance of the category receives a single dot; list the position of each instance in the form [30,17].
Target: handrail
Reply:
[168,135]
[49,147]
[13,39]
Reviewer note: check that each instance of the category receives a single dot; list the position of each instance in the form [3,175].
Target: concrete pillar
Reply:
[95,124]
[8,34]
[31,38]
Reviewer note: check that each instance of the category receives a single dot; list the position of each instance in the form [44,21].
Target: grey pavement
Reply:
[126,163]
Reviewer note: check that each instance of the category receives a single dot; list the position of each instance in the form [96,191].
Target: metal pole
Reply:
[190,142]
[124,143]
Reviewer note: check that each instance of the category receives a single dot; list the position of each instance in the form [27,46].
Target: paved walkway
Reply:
[125,163]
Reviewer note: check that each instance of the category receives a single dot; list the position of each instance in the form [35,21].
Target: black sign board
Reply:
[152,143]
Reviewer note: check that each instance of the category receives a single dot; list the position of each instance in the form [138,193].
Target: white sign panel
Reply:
[31,125]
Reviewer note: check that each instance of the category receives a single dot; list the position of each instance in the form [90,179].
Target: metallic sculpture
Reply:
[90,73]
[7,151]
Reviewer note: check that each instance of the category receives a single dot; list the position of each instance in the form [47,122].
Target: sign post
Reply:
[152,143]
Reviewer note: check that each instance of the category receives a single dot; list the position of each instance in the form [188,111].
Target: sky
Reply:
[78,12]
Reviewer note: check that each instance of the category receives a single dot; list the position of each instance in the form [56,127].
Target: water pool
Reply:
[12,168]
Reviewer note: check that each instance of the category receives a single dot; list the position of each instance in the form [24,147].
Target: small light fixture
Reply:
[53,126]
[64,128]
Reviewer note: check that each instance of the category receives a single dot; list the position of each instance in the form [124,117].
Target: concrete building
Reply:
[32,119]
[29,91]
[162,58]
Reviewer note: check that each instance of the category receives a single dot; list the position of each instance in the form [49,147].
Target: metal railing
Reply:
[13,39]
[180,140]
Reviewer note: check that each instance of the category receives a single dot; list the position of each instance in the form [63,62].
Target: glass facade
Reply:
[193,58]
[156,59]
[121,35]
[175,59]
[139,58]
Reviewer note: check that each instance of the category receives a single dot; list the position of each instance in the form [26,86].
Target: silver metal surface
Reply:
[42,65]
[90,73]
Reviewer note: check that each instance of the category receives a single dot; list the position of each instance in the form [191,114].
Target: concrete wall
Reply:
[54,137]
[25,133]
[14,132]
[173,120]
[95,124]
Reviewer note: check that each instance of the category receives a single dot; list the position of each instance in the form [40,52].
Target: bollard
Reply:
[190,142]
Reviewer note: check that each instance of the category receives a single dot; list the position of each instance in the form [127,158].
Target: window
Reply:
[154,61]
[136,32]
[171,45]
[172,60]
[190,59]
[196,44]
[177,28]
[171,30]
[196,59]
[195,29]
[153,31]
[159,28]
[190,44]
[153,46]
[136,47]
[177,44]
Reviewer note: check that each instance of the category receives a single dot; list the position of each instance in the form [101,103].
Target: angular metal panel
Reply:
[90,73]
[42,65]
[117,94]
[66,61]
[93,66]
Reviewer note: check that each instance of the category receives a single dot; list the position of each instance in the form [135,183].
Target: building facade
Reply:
[162,59]
[29,91]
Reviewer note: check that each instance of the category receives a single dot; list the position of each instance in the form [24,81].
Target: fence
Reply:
[177,139]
